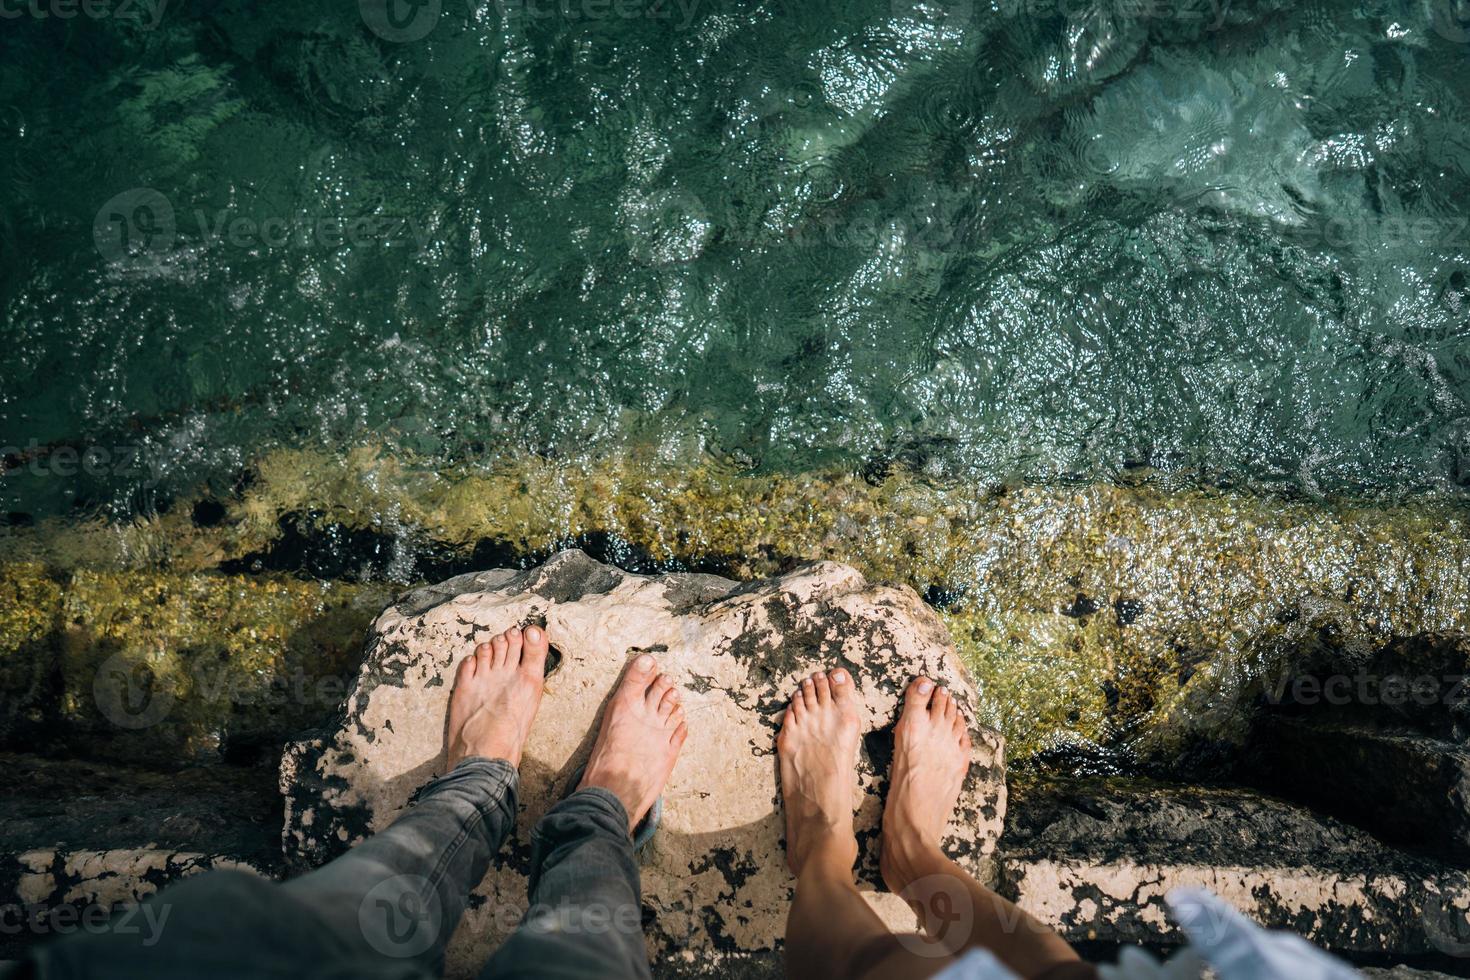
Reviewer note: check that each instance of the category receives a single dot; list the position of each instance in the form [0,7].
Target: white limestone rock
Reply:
[715,881]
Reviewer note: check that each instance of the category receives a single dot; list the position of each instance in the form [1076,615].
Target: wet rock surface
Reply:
[80,838]
[1380,738]
[75,805]
[715,880]
[1097,857]
[1408,788]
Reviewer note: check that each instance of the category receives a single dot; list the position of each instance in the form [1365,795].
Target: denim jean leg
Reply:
[401,893]
[585,915]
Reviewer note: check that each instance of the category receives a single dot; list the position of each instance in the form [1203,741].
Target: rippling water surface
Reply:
[1018,240]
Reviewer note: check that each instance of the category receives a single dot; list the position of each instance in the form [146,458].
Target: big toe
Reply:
[917,697]
[841,682]
[534,649]
[639,676]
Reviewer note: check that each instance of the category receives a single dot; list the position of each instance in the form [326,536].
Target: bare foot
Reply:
[497,690]
[931,754]
[642,732]
[818,747]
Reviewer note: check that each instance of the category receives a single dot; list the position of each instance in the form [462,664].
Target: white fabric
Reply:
[1232,946]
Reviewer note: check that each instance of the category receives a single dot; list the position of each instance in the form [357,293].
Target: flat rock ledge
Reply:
[715,883]
[1095,858]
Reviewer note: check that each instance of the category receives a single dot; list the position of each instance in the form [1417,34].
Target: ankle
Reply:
[905,858]
[830,855]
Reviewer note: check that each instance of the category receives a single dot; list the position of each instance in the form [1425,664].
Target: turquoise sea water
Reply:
[1036,239]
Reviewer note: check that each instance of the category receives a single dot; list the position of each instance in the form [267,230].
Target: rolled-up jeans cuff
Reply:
[488,784]
[595,797]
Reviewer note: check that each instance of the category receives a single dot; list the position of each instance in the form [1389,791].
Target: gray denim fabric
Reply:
[386,908]
[585,916]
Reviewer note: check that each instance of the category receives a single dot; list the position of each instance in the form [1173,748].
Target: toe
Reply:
[793,710]
[513,644]
[668,703]
[841,685]
[484,656]
[498,648]
[919,693]
[680,734]
[938,702]
[533,654]
[662,684]
[465,670]
[808,694]
[823,687]
[640,674]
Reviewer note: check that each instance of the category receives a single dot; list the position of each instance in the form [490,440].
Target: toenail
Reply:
[644,663]
[925,687]
[806,682]
[839,677]
[533,634]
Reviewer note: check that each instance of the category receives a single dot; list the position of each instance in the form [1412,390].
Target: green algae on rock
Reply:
[174,667]
[30,607]
[1096,618]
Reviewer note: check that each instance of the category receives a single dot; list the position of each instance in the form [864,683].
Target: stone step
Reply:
[1407,788]
[1095,858]
[78,839]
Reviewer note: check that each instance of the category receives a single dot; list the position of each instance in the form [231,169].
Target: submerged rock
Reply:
[715,880]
